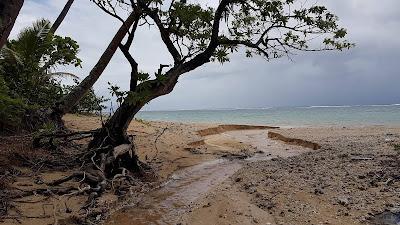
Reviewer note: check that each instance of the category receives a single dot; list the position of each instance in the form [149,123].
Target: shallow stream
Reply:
[166,204]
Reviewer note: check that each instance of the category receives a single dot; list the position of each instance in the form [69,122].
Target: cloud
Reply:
[367,74]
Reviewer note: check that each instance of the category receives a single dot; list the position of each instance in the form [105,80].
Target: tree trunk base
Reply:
[104,164]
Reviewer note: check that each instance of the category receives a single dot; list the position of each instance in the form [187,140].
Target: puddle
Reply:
[167,204]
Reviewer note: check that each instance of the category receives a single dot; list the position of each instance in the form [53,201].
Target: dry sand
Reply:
[352,177]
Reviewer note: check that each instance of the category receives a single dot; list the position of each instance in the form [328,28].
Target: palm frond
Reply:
[43,28]
[63,75]
[32,41]
[10,55]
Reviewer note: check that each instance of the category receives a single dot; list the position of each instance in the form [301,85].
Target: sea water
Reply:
[286,116]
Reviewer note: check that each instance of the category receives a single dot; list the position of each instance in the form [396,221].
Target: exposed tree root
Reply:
[50,139]
[111,165]
[103,166]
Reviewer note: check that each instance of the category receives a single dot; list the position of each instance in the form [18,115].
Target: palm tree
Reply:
[28,63]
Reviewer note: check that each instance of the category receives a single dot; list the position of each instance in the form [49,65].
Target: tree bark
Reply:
[112,135]
[61,17]
[114,130]
[66,104]
[9,10]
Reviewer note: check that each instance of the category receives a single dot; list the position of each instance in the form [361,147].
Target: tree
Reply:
[9,10]
[29,75]
[67,103]
[195,35]
[28,66]
[61,16]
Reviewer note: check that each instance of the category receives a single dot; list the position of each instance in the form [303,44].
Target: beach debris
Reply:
[194,151]
[243,154]
[207,205]
[344,201]
[318,191]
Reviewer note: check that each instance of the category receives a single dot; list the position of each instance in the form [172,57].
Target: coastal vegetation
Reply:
[29,79]
[33,98]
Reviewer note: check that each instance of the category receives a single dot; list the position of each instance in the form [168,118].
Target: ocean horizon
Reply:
[322,115]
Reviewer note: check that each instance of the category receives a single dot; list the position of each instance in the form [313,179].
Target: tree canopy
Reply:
[195,34]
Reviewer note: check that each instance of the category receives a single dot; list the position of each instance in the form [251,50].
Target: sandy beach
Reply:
[230,174]
[201,112]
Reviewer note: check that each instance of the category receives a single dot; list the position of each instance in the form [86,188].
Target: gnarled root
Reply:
[104,166]
[66,136]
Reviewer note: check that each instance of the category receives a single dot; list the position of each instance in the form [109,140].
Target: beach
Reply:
[233,174]
[350,180]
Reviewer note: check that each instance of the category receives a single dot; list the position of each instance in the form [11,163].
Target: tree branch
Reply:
[79,91]
[206,55]
[244,43]
[113,13]
[134,66]
[164,32]
[125,50]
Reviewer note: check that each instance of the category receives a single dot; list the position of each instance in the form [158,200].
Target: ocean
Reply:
[286,116]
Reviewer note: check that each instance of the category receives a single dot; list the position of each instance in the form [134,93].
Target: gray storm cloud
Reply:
[367,74]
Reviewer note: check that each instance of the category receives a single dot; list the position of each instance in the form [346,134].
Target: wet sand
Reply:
[167,204]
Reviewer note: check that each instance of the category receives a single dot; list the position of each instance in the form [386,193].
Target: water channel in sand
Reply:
[166,204]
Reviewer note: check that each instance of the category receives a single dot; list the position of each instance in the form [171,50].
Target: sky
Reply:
[365,75]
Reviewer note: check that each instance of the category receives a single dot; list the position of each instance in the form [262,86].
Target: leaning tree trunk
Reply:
[113,134]
[9,10]
[66,104]
[114,130]
[37,118]
[112,142]
[61,17]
